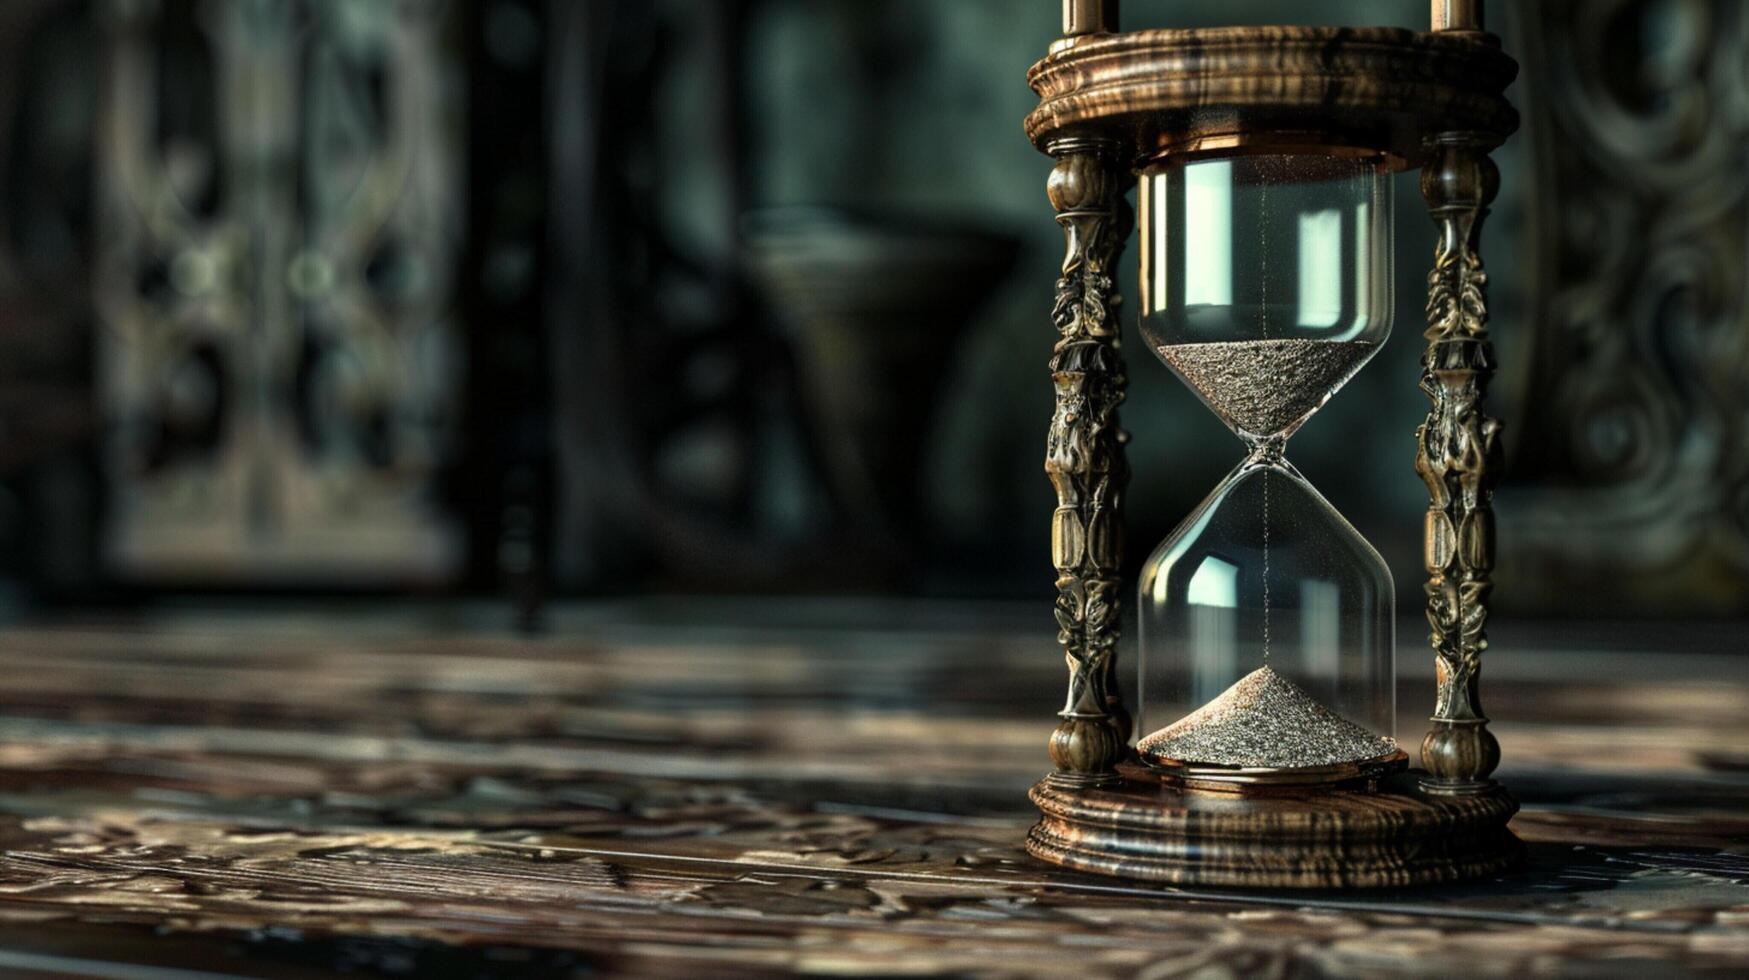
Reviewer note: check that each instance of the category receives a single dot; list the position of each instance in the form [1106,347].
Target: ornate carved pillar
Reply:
[1459,460]
[1084,456]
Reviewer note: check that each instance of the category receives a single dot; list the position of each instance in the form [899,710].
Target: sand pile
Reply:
[1265,719]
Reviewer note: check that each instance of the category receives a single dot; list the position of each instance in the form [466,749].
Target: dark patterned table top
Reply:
[724,789]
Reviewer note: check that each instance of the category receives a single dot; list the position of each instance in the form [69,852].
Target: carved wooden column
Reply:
[1459,447]
[1084,456]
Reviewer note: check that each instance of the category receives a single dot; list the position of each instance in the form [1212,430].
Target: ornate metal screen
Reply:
[278,223]
[1631,463]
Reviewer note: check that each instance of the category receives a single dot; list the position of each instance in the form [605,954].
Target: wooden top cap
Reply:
[1229,89]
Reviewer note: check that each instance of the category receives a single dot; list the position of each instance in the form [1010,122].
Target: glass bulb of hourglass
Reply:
[1267,640]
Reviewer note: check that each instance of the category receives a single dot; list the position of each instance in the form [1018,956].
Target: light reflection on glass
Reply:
[1320,278]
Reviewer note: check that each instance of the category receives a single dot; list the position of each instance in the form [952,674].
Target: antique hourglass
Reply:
[1257,748]
[1266,648]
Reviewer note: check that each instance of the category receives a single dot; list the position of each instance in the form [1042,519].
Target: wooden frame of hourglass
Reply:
[1108,102]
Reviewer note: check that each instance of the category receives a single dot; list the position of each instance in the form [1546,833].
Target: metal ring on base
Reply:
[1258,779]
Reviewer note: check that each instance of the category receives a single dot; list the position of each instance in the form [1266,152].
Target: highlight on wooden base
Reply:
[1149,829]
[1364,774]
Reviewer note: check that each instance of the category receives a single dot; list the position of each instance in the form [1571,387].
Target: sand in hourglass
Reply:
[1262,387]
[1265,720]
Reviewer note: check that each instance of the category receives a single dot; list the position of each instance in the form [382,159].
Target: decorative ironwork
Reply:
[279,186]
[1629,479]
[1459,460]
[1084,456]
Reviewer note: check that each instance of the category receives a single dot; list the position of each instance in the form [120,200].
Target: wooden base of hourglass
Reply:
[1390,835]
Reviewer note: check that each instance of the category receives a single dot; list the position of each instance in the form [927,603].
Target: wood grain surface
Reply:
[1384,89]
[1391,834]
[729,789]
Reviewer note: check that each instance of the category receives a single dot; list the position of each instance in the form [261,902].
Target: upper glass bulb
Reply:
[1266,280]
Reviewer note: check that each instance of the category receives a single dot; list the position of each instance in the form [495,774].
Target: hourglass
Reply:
[1266,619]
[1260,749]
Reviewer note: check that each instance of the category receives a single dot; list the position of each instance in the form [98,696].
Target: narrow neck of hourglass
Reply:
[1266,450]
[1268,454]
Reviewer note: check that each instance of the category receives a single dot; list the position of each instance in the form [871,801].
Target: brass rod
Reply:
[1457,15]
[1089,17]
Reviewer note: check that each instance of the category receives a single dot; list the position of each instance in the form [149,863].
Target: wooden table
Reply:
[721,789]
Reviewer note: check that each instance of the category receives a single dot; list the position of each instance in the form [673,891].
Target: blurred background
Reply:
[534,299]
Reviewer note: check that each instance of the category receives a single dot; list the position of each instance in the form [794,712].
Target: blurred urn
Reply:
[877,305]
